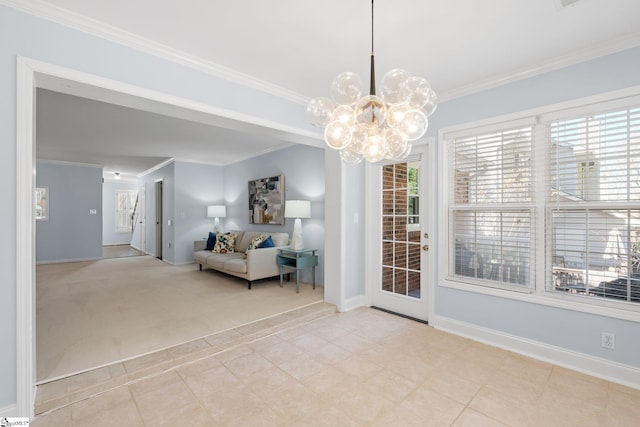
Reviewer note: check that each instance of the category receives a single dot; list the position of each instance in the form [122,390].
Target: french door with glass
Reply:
[401,217]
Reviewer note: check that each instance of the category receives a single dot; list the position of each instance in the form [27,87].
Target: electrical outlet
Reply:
[608,340]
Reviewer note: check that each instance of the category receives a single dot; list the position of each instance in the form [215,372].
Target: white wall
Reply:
[109,234]
[71,233]
[303,170]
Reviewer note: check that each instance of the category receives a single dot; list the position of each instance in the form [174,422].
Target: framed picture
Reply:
[42,203]
[266,200]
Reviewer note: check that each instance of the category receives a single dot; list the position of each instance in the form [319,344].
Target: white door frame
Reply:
[372,235]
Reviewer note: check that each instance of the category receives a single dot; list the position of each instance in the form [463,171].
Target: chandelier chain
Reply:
[372,73]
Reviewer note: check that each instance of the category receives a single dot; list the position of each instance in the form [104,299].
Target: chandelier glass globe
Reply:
[374,127]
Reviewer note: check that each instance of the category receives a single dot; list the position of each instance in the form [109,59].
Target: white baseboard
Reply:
[59,261]
[590,365]
[9,411]
[352,303]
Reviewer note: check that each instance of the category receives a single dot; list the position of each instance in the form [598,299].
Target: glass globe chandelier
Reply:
[374,127]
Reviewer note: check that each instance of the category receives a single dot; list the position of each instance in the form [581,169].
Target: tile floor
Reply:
[361,368]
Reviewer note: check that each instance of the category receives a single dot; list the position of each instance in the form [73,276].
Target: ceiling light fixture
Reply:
[374,127]
[116,175]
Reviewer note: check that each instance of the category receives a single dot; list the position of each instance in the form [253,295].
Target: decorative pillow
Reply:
[211,241]
[256,241]
[225,243]
[266,243]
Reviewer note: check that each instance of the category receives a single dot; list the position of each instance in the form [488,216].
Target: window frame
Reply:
[539,294]
[118,211]
[484,129]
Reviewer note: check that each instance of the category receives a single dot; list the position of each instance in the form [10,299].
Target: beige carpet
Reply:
[98,312]
[120,251]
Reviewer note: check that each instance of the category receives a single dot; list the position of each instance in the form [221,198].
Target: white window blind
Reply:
[125,202]
[491,206]
[593,204]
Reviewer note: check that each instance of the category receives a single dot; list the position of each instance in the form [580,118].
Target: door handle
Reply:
[426,235]
[425,248]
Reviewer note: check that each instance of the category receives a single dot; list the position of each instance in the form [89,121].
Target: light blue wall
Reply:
[166,174]
[354,255]
[196,187]
[303,170]
[109,235]
[611,72]
[71,233]
[572,330]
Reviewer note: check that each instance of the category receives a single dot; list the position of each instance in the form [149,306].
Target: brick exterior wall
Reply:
[400,247]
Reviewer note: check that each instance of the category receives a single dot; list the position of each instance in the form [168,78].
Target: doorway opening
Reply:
[33,74]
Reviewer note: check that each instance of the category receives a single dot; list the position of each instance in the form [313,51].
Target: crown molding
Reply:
[69,163]
[592,52]
[114,34]
[108,32]
[131,181]
[156,167]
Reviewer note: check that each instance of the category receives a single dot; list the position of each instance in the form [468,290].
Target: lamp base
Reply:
[296,241]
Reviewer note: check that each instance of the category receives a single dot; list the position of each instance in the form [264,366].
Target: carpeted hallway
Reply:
[94,313]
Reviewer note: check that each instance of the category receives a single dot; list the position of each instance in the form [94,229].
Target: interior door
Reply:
[142,217]
[158,187]
[401,214]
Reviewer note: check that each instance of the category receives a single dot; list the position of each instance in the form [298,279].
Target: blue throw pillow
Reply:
[266,243]
[211,241]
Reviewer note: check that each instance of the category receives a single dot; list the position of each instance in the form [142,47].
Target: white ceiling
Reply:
[459,46]
[130,140]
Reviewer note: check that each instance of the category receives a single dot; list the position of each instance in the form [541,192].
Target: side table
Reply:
[292,259]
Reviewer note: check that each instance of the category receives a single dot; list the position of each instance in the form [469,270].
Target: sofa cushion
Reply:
[201,257]
[216,261]
[266,243]
[236,265]
[225,243]
[211,241]
[247,237]
[256,241]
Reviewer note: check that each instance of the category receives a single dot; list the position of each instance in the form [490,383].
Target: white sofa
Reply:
[258,264]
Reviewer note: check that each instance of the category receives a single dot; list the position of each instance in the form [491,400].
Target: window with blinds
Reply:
[491,206]
[593,203]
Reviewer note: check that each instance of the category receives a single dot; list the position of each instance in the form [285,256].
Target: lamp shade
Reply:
[216,211]
[297,209]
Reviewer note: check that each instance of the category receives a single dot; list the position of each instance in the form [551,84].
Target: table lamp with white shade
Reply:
[217,212]
[297,209]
